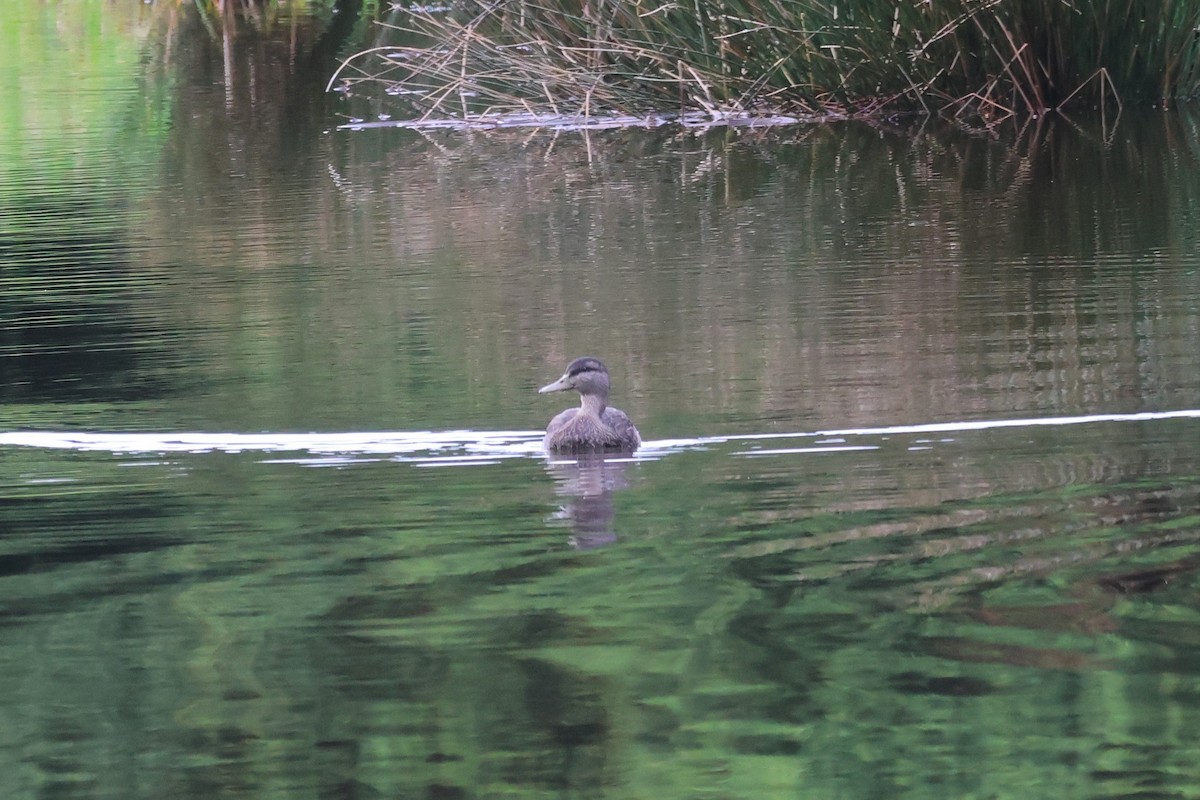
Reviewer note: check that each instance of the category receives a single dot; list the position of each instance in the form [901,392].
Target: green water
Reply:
[917,515]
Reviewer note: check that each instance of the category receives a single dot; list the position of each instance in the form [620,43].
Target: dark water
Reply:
[917,516]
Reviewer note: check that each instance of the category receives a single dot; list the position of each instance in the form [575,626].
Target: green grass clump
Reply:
[988,59]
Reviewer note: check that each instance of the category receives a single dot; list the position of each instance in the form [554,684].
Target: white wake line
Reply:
[952,427]
[367,443]
[931,427]
[493,443]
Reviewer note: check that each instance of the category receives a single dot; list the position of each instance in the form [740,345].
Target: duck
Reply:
[595,426]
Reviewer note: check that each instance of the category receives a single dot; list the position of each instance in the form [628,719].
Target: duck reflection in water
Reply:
[586,447]
[587,483]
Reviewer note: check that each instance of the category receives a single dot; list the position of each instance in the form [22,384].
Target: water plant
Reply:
[975,59]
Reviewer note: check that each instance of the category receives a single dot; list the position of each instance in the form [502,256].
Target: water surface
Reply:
[917,514]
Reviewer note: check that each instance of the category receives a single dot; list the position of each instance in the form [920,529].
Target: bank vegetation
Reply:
[980,61]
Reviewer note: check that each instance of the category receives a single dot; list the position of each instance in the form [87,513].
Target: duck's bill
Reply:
[558,386]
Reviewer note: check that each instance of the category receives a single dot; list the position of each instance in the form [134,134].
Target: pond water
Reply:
[917,514]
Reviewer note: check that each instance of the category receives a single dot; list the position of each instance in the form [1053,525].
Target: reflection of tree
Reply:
[843,276]
[1050,532]
[68,329]
[80,314]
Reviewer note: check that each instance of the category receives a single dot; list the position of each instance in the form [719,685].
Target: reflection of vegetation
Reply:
[729,278]
[746,56]
[68,67]
[262,16]
[310,32]
[76,155]
[66,327]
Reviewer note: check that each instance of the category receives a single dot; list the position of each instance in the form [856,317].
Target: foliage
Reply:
[992,58]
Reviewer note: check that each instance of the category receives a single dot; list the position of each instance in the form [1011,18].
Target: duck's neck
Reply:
[593,404]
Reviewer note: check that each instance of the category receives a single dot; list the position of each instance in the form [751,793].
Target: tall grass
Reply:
[982,58]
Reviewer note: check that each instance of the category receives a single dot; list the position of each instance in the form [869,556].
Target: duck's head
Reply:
[586,375]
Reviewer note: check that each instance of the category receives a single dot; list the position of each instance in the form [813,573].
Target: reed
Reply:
[978,59]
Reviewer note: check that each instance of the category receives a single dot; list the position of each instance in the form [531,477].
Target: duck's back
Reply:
[627,434]
[571,430]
